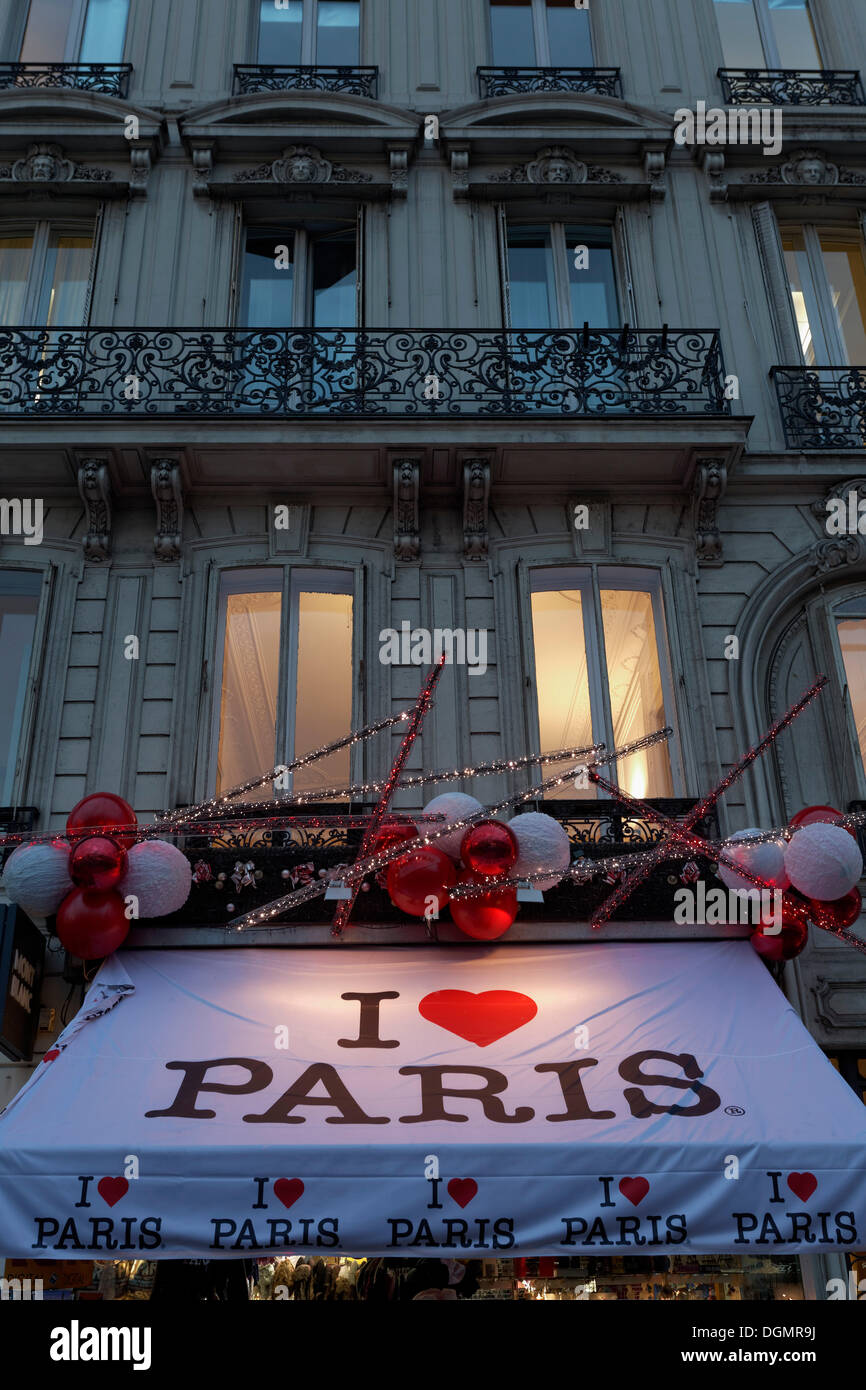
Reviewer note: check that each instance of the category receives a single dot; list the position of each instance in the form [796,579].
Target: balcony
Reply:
[822,407]
[378,372]
[503,82]
[791,87]
[110,79]
[273,77]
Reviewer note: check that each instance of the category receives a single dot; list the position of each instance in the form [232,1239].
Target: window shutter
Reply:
[502,238]
[237,252]
[360,264]
[94,260]
[624,277]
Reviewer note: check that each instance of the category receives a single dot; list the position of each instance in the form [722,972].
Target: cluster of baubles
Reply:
[420,881]
[99,878]
[818,869]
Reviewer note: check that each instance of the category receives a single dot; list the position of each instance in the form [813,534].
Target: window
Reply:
[767,34]
[827,278]
[540,33]
[70,31]
[601,672]
[852,1066]
[284,644]
[312,32]
[19,604]
[45,275]
[561,276]
[297,277]
[850,618]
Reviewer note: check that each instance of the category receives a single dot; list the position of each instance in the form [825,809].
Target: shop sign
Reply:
[22,953]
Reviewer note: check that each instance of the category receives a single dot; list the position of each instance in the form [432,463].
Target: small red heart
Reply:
[49,1056]
[462,1190]
[288,1190]
[112,1189]
[635,1189]
[802,1185]
[479,1018]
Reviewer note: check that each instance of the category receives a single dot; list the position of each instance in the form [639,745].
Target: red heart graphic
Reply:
[635,1189]
[479,1018]
[288,1190]
[462,1190]
[802,1185]
[49,1056]
[112,1189]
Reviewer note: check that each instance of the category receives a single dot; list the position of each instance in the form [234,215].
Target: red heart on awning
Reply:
[288,1190]
[479,1018]
[635,1189]
[462,1190]
[112,1189]
[802,1185]
[49,1056]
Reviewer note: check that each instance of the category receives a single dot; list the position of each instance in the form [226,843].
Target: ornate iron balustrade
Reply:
[288,372]
[822,407]
[112,79]
[502,82]
[791,87]
[274,77]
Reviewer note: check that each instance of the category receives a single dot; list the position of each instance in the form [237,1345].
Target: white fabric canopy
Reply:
[600,1099]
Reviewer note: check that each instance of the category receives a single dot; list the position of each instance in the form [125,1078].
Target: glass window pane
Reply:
[741,37]
[636,697]
[568,35]
[852,640]
[250,678]
[846,278]
[591,279]
[561,679]
[803,298]
[267,291]
[104,31]
[323,704]
[512,34]
[47,31]
[794,35]
[338,33]
[15,254]
[63,297]
[280,32]
[531,286]
[334,280]
[19,603]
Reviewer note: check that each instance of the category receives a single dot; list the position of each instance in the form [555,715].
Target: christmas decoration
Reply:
[36,877]
[102,811]
[843,912]
[97,862]
[91,924]
[817,815]
[202,872]
[489,849]
[542,843]
[455,807]
[823,861]
[393,834]
[486,917]
[420,877]
[244,875]
[773,945]
[159,876]
[766,861]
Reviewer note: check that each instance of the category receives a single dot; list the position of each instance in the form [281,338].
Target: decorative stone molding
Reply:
[711,479]
[714,167]
[45,163]
[407,511]
[165,484]
[476,504]
[202,168]
[557,165]
[654,171]
[820,508]
[95,490]
[139,159]
[834,553]
[302,164]
[808,169]
[398,163]
[833,1009]
[460,173]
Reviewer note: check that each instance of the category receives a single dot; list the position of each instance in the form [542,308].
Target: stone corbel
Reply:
[165,484]
[460,173]
[139,159]
[95,490]
[407,510]
[834,553]
[654,172]
[398,162]
[714,167]
[202,168]
[841,493]
[476,504]
[711,479]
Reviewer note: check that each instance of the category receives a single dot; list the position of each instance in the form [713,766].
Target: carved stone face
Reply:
[557,171]
[811,171]
[42,168]
[302,169]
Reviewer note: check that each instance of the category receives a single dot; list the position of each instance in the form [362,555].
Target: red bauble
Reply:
[391,835]
[487,917]
[420,875]
[97,812]
[489,848]
[842,912]
[786,944]
[92,924]
[814,815]
[97,862]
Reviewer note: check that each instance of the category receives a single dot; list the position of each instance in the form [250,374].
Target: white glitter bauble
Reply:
[542,843]
[36,877]
[823,861]
[453,806]
[159,876]
[765,861]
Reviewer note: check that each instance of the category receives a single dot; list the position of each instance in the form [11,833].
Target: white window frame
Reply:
[289,582]
[772,60]
[41,232]
[302,243]
[833,608]
[309,32]
[559,253]
[589,580]
[75,32]
[819,305]
[543,57]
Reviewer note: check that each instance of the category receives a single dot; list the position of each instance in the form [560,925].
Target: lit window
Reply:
[285,660]
[827,277]
[70,31]
[561,276]
[310,32]
[19,603]
[600,670]
[767,34]
[851,631]
[540,33]
[44,276]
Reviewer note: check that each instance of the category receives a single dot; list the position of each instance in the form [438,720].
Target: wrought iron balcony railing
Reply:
[295,372]
[822,407]
[274,77]
[502,82]
[791,87]
[112,79]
